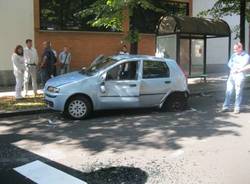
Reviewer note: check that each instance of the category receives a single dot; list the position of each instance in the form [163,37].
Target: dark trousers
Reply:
[44,74]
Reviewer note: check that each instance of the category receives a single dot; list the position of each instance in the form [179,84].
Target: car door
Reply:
[121,86]
[155,82]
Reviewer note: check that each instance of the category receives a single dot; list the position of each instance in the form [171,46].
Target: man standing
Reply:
[47,63]
[55,73]
[31,61]
[238,61]
[65,59]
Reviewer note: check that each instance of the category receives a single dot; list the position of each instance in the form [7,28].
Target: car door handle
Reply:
[167,82]
[132,85]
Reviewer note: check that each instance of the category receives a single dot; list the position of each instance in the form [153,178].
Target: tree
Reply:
[231,7]
[109,14]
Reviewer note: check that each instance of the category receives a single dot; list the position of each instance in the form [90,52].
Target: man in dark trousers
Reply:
[47,63]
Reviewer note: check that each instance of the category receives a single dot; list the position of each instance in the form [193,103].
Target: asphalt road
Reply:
[200,145]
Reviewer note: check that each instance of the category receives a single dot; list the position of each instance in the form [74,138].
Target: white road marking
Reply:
[177,153]
[42,173]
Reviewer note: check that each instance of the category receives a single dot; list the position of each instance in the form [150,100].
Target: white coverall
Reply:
[31,61]
[19,68]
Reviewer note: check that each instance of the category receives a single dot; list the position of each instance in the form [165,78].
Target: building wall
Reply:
[85,46]
[24,22]
[17,23]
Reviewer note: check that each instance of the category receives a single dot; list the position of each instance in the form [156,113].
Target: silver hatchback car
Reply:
[121,81]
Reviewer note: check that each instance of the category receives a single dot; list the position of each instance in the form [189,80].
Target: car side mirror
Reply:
[103,77]
[102,83]
[102,87]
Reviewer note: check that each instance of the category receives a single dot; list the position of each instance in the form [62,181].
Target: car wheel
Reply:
[175,103]
[78,107]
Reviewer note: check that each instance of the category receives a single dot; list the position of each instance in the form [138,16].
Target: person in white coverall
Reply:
[237,62]
[31,61]
[19,68]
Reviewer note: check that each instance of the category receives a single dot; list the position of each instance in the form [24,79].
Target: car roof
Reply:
[130,57]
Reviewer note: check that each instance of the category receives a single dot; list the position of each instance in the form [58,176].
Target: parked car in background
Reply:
[121,81]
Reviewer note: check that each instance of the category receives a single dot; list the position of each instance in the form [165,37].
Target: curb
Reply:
[205,93]
[24,112]
[210,92]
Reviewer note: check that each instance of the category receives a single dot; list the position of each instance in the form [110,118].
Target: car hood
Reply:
[66,79]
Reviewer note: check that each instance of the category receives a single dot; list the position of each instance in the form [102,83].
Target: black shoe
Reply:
[224,110]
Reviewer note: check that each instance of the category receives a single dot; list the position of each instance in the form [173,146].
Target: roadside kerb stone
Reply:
[6,114]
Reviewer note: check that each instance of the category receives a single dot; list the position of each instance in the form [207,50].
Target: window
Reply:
[66,15]
[155,69]
[124,71]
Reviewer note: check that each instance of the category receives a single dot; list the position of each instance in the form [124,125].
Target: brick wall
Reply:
[146,44]
[84,46]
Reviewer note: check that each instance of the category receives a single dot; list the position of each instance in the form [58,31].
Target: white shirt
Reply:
[30,56]
[238,61]
[18,63]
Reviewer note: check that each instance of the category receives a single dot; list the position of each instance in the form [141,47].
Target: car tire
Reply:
[78,107]
[175,103]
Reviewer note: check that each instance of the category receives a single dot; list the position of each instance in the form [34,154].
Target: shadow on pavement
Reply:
[12,156]
[122,130]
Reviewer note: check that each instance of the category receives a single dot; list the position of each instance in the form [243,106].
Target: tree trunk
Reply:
[134,47]
[134,43]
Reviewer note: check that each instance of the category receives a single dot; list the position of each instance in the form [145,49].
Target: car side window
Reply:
[124,71]
[155,69]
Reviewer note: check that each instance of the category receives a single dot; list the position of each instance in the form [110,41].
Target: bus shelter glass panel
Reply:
[184,55]
[197,55]
[166,46]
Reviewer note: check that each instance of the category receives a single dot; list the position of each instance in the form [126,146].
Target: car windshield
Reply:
[98,64]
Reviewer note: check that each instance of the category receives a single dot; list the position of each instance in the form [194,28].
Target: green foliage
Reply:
[224,8]
[106,13]
[9,103]
[109,13]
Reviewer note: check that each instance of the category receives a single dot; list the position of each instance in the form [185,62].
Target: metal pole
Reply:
[205,55]
[242,21]
[178,48]
[190,56]
[229,47]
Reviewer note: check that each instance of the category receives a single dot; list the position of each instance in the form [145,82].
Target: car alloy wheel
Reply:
[77,108]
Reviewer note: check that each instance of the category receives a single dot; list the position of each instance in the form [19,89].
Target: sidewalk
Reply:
[10,93]
[215,83]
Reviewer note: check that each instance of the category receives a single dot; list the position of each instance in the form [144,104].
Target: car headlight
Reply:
[52,89]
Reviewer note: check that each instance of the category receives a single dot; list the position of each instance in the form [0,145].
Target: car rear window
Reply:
[155,69]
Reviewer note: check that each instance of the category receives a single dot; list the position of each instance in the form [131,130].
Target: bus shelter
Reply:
[185,40]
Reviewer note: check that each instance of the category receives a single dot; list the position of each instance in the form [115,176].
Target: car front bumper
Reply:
[55,101]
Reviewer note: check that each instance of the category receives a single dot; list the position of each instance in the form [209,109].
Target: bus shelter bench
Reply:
[203,77]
